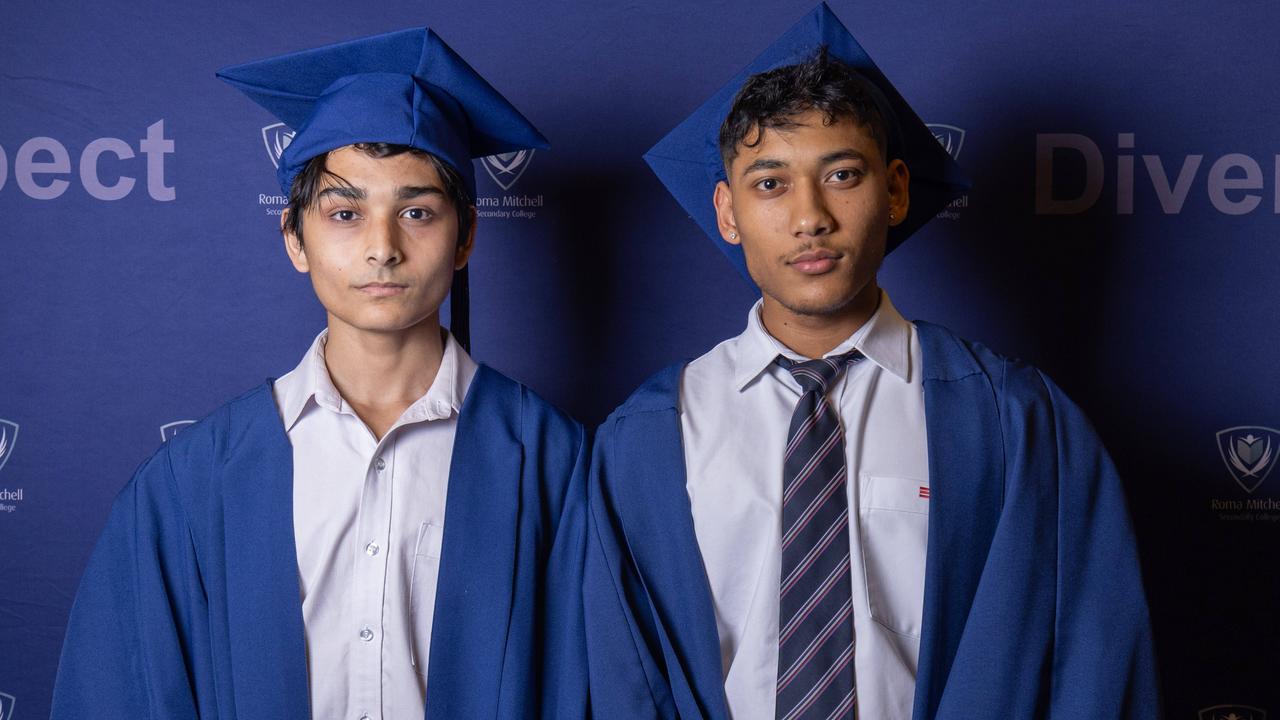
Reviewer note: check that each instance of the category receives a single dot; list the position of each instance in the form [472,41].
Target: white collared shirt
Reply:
[368,520]
[736,408]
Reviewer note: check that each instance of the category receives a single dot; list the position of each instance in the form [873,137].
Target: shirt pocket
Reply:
[422,593]
[893,535]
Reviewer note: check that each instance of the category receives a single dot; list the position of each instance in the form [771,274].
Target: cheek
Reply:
[329,273]
[768,219]
[863,208]
[329,270]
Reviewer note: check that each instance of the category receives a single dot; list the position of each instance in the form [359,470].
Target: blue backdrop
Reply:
[1121,233]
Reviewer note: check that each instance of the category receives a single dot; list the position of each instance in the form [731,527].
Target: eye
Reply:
[343,215]
[418,213]
[769,184]
[844,175]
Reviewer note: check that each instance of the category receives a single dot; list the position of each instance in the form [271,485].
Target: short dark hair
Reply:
[309,183]
[772,99]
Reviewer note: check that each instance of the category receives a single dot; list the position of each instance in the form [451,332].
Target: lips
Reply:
[381,289]
[815,262]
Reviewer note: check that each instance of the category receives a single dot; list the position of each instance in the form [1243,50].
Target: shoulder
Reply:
[659,392]
[231,428]
[494,397]
[183,468]
[716,364]
[947,357]
[1027,400]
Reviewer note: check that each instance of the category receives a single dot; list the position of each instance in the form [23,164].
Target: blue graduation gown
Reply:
[190,606]
[1033,600]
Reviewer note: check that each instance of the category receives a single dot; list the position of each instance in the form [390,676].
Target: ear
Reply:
[293,245]
[463,253]
[723,199]
[899,181]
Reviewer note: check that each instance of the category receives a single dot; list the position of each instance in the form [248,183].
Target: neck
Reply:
[383,370]
[815,335]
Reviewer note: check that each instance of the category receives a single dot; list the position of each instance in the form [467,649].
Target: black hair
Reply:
[315,176]
[772,99]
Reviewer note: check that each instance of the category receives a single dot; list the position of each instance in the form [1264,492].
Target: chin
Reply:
[385,323]
[819,300]
[816,307]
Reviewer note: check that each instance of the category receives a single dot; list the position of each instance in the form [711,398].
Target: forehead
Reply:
[361,169]
[807,136]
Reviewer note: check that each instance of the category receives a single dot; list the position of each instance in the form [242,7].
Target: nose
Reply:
[383,244]
[810,215]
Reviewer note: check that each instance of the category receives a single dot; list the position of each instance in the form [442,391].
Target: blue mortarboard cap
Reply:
[405,87]
[688,159]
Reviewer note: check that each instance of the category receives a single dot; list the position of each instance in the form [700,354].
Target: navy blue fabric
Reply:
[1033,605]
[190,606]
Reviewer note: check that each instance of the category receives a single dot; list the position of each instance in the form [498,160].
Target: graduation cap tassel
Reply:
[460,309]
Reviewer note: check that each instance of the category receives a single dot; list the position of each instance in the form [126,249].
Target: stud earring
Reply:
[733,236]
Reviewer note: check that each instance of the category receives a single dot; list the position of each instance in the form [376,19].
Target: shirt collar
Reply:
[444,398]
[885,339]
[310,380]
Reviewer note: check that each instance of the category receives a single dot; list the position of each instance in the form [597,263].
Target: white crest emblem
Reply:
[1249,453]
[506,168]
[276,137]
[169,430]
[8,434]
[950,137]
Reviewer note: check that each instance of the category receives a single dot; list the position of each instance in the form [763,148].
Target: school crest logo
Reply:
[276,137]
[6,706]
[8,435]
[1249,452]
[168,431]
[506,168]
[1233,712]
[950,137]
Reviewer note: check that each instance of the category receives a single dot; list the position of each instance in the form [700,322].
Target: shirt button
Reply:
[380,464]
[371,549]
[364,716]
[366,634]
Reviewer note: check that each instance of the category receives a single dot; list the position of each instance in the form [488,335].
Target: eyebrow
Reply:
[343,191]
[408,192]
[831,157]
[404,192]
[845,154]
[763,164]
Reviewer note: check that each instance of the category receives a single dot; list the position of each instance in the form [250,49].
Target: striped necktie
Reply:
[815,609]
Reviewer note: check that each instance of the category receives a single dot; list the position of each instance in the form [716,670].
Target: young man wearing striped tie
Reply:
[839,512]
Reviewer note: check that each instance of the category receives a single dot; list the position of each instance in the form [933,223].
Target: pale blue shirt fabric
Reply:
[736,408]
[368,524]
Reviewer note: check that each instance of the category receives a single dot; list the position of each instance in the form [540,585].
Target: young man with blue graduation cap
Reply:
[390,526]
[839,512]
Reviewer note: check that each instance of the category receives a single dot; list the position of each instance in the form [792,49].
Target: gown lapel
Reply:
[473,600]
[477,565]
[966,478]
[655,510]
[264,603]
